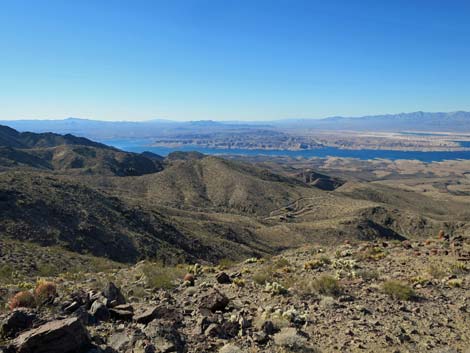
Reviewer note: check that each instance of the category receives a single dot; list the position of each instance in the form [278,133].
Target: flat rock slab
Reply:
[60,336]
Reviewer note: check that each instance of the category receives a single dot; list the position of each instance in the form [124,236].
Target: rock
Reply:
[19,320]
[146,316]
[214,301]
[268,327]
[72,307]
[123,315]
[60,336]
[119,341]
[99,312]
[165,336]
[82,314]
[223,278]
[126,307]
[230,348]
[114,295]
[213,330]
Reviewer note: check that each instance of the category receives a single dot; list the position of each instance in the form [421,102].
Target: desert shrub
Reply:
[291,341]
[289,338]
[24,299]
[160,276]
[6,273]
[458,268]
[275,288]
[399,290]
[47,270]
[375,253]
[455,282]
[263,275]
[45,291]
[239,282]
[317,263]
[326,285]
[281,263]
[225,263]
[436,271]
[368,275]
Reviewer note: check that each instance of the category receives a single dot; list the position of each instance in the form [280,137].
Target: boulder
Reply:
[223,278]
[99,312]
[146,316]
[119,314]
[114,295]
[19,320]
[59,336]
[214,301]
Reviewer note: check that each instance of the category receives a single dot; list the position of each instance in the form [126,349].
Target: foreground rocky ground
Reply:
[358,297]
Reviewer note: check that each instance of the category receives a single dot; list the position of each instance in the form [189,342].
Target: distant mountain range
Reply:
[418,121]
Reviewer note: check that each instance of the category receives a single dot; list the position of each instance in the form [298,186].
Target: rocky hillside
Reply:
[71,154]
[357,297]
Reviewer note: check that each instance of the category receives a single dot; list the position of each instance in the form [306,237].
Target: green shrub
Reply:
[399,290]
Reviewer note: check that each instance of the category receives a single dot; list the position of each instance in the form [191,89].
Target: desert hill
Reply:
[68,153]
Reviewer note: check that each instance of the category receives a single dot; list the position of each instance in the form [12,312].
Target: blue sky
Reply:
[232,59]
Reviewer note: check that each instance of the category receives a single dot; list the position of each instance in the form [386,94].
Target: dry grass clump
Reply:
[267,273]
[226,264]
[159,276]
[399,290]
[368,275]
[327,285]
[458,268]
[291,341]
[281,263]
[6,273]
[24,299]
[436,271]
[375,253]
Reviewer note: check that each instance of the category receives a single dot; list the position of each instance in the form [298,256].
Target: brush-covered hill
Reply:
[215,184]
[49,210]
[71,154]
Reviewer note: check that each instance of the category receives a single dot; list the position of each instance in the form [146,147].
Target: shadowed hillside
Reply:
[71,154]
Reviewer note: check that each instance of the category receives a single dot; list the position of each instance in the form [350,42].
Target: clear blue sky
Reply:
[232,60]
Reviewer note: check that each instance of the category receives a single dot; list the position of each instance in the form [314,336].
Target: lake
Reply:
[137,145]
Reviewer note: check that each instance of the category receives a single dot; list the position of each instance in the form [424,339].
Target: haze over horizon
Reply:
[233,60]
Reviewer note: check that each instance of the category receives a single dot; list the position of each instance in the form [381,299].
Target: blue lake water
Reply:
[134,145]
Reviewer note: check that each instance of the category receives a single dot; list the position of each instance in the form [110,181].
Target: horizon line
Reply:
[235,121]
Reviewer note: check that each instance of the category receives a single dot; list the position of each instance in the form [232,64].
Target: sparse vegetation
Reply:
[6,273]
[326,285]
[263,275]
[398,290]
[368,275]
[159,276]
[437,271]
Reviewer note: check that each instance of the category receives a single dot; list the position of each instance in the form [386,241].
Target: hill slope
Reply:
[68,153]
